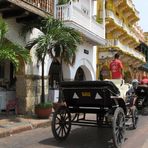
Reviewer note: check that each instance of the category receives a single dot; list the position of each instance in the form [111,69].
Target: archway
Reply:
[54,74]
[80,75]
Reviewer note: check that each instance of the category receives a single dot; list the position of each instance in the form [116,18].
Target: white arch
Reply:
[87,68]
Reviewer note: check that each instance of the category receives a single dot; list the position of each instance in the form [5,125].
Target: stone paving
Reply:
[12,124]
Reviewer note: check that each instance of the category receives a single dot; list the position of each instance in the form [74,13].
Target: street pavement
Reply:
[138,138]
[85,137]
[12,124]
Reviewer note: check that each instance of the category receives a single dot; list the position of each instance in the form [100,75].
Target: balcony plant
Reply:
[62,2]
[99,20]
[57,41]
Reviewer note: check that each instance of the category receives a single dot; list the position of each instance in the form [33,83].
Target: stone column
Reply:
[21,93]
[28,91]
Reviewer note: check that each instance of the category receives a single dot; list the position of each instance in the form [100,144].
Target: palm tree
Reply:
[58,41]
[11,51]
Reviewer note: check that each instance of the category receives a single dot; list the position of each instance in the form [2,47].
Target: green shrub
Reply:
[44,105]
[62,2]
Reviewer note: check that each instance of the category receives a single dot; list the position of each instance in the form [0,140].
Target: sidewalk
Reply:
[12,124]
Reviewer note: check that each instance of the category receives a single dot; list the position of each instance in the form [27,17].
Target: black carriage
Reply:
[142,98]
[98,97]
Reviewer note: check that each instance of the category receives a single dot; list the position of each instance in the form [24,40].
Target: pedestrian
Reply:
[116,67]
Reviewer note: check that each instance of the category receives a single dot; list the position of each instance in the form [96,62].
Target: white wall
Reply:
[87,6]
[86,61]
[14,31]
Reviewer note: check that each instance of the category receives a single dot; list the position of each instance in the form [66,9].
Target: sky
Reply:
[142,7]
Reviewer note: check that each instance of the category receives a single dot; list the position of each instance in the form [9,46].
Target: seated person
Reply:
[131,93]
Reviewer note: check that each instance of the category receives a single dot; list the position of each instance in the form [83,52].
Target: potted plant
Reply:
[43,110]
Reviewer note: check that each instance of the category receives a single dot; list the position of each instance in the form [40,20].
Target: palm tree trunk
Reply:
[43,90]
[61,79]
[61,71]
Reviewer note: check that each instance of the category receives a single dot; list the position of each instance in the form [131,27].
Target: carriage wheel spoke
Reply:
[66,118]
[57,127]
[59,132]
[58,118]
[64,129]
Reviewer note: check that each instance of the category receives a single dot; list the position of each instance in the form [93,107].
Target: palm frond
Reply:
[3,30]
[22,52]
[11,51]
[7,54]
[14,52]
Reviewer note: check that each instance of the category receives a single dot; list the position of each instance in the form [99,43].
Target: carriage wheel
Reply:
[61,123]
[118,127]
[134,112]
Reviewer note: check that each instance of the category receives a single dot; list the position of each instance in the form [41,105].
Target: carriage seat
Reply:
[122,86]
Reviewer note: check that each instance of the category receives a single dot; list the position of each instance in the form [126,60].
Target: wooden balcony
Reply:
[43,5]
[116,44]
[15,8]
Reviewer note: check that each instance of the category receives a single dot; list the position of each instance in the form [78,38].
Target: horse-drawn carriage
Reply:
[142,98]
[101,98]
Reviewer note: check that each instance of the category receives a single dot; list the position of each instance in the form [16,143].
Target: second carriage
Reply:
[142,99]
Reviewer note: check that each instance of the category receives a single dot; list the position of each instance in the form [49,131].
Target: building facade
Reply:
[146,37]
[79,14]
[123,36]
[143,47]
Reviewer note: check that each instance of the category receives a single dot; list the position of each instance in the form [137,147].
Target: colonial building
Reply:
[79,14]
[146,37]
[144,48]
[123,36]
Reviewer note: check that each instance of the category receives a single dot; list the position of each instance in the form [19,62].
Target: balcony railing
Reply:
[130,3]
[120,23]
[125,49]
[81,18]
[44,5]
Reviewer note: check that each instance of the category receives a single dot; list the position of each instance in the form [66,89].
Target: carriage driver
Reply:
[131,93]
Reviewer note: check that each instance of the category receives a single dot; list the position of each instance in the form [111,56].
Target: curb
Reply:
[15,129]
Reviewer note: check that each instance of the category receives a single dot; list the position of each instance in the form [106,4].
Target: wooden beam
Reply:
[12,13]
[26,18]
[29,8]
[4,4]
